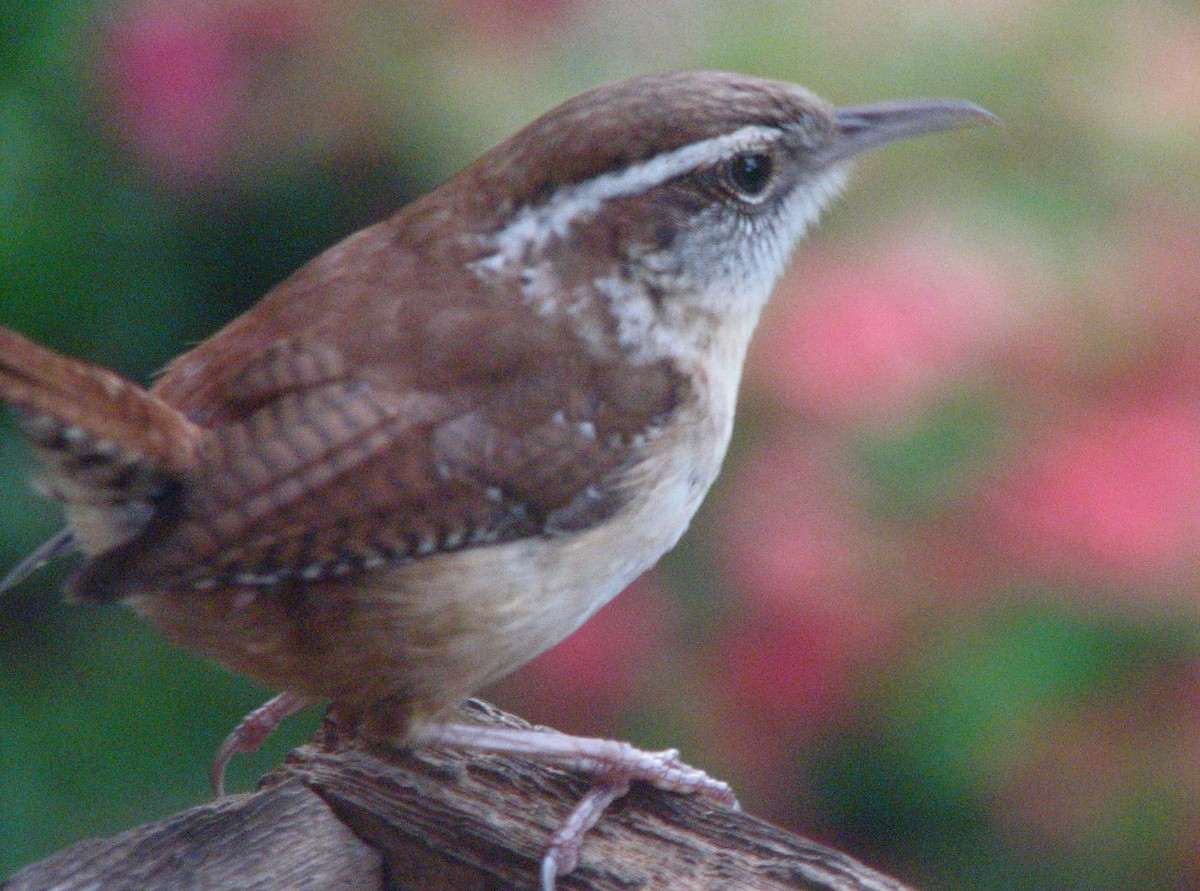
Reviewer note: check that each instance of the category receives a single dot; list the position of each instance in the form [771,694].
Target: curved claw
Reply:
[562,855]
[615,765]
[251,733]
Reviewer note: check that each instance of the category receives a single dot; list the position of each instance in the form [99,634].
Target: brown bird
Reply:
[440,446]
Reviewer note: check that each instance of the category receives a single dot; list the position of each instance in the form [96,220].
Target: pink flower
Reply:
[787,532]
[792,670]
[874,332]
[1157,271]
[797,556]
[775,678]
[183,78]
[175,85]
[1114,491]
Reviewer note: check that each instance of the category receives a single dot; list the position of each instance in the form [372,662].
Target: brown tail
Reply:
[97,403]
[109,445]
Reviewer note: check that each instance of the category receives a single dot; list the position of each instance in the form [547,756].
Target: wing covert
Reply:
[325,474]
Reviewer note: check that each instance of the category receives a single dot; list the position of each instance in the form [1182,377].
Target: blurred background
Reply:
[943,608]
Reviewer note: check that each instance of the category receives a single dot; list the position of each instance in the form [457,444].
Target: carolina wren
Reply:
[440,446]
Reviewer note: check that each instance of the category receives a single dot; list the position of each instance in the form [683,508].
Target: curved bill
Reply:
[871,126]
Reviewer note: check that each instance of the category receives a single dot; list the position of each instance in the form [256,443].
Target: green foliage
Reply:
[919,468]
[920,770]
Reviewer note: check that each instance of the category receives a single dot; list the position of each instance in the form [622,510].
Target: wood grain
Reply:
[338,815]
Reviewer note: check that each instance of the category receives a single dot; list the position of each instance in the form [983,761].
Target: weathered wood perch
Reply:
[336,816]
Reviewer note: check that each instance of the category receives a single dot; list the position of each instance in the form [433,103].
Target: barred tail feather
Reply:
[84,401]
[109,446]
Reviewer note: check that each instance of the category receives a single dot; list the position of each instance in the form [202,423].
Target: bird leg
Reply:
[614,764]
[250,734]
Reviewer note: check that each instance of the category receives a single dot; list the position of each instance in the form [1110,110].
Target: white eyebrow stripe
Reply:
[532,226]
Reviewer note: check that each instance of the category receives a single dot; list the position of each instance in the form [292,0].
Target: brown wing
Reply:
[382,405]
[323,471]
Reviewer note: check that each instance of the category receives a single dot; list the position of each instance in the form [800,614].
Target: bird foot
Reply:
[250,734]
[614,764]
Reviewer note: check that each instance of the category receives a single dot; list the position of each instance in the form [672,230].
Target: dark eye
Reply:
[750,173]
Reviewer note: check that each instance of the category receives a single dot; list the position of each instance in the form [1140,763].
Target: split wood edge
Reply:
[337,816]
